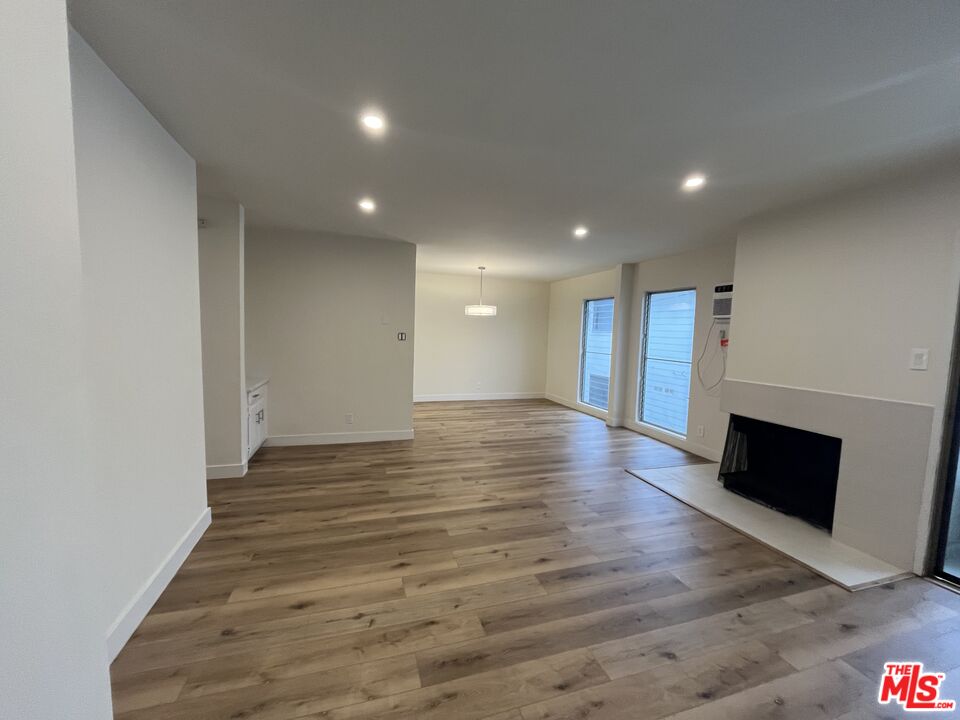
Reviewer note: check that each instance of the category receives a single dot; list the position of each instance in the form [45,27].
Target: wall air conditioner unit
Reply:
[722,301]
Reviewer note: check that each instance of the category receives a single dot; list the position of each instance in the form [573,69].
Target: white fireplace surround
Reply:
[883,458]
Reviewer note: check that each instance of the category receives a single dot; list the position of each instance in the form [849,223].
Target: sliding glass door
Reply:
[596,341]
[948,551]
[667,357]
[950,563]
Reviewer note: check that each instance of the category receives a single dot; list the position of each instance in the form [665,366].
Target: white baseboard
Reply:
[340,438]
[578,406]
[136,610]
[676,440]
[221,472]
[479,396]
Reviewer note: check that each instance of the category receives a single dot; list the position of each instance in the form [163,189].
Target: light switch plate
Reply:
[919,358]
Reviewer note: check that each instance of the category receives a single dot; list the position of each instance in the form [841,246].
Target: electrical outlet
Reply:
[348,418]
[699,430]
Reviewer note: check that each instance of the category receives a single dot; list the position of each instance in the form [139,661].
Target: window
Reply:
[595,344]
[667,357]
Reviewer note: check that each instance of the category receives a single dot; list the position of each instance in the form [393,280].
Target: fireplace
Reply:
[793,471]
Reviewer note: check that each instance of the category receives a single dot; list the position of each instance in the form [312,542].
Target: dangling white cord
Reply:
[723,360]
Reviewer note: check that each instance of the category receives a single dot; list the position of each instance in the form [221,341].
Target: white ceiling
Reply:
[513,121]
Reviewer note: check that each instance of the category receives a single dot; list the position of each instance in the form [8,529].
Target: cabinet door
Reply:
[251,432]
[261,425]
[257,425]
[263,422]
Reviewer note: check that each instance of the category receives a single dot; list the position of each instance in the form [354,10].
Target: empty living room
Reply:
[479,360]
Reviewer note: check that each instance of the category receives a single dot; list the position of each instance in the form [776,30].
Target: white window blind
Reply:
[667,356]
[595,348]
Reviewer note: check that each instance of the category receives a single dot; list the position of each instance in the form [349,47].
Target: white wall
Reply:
[463,358]
[138,235]
[323,312]
[702,270]
[563,337]
[53,663]
[832,296]
[222,324]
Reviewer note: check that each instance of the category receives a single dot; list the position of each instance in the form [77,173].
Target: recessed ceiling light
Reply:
[367,205]
[694,182]
[373,122]
[581,231]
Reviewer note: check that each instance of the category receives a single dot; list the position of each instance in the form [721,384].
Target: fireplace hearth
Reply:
[790,470]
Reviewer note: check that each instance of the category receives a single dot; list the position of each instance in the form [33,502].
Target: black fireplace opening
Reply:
[793,471]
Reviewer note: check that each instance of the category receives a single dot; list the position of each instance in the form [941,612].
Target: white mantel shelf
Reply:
[698,487]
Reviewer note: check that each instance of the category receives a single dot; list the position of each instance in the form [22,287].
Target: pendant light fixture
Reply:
[480,310]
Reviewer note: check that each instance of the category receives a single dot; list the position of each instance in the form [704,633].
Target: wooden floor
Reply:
[504,566]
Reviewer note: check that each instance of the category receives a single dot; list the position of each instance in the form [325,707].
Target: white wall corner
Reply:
[136,610]
[619,343]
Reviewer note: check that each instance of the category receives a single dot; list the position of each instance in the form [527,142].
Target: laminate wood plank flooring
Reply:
[504,566]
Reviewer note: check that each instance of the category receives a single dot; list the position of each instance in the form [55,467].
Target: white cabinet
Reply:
[256,417]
